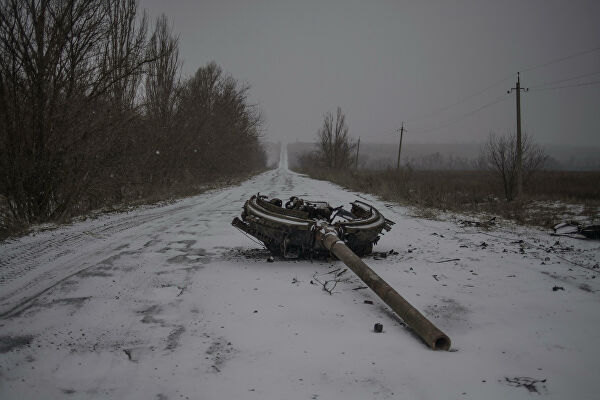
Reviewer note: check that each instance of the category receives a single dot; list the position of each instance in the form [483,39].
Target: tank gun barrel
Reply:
[431,335]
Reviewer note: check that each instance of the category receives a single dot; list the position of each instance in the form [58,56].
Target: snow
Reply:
[173,302]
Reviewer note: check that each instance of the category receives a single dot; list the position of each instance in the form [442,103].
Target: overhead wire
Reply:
[453,121]
[539,87]
[438,110]
[564,80]
[581,53]
[567,86]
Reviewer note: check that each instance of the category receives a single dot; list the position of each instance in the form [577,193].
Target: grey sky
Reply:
[388,61]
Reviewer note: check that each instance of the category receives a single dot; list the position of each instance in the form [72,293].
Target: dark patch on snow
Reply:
[37,305]
[449,313]
[219,352]
[381,255]
[134,354]
[149,314]
[188,269]
[68,391]
[198,252]
[92,272]
[151,243]
[109,262]
[69,301]
[568,280]
[70,285]
[559,277]
[191,256]
[247,254]
[10,342]
[174,336]
[530,384]
[180,259]
[187,246]
[585,287]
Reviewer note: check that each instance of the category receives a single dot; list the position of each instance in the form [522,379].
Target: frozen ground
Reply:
[172,302]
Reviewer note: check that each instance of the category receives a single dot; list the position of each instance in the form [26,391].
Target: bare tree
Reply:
[336,148]
[499,155]
[45,46]
[64,67]
[162,73]
[125,50]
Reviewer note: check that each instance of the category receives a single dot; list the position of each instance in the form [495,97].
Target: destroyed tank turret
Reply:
[290,231]
[309,229]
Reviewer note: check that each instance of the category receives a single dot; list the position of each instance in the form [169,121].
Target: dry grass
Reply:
[550,197]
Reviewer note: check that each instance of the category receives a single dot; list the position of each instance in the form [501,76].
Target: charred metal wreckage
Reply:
[291,231]
[312,229]
[575,230]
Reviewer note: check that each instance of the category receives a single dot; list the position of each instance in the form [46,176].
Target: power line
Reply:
[581,53]
[470,96]
[568,86]
[436,111]
[453,121]
[565,80]
[537,88]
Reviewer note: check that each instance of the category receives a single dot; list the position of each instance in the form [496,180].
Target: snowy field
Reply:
[172,302]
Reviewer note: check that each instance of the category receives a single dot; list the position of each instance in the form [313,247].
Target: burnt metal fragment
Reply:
[576,230]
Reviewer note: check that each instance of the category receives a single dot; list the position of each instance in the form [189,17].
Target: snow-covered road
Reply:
[172,302]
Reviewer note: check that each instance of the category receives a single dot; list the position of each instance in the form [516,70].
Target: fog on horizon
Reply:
[391,61]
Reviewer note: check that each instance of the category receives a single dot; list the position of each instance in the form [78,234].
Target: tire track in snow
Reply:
[23,257]
[85,249]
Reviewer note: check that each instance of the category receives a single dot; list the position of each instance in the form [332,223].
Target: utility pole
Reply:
[357,149]
[401,130]
[519,147]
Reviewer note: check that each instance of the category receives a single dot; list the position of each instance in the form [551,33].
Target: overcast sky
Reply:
[384,62]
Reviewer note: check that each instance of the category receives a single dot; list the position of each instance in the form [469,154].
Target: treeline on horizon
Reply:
[93,112]
[456,157]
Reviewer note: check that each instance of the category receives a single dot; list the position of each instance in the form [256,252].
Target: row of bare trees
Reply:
[93,110]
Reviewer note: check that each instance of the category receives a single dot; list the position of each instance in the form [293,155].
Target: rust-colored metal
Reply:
[435,338]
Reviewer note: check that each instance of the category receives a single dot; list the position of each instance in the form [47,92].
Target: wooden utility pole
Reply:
[357,149]
[401,130]
[519,146]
